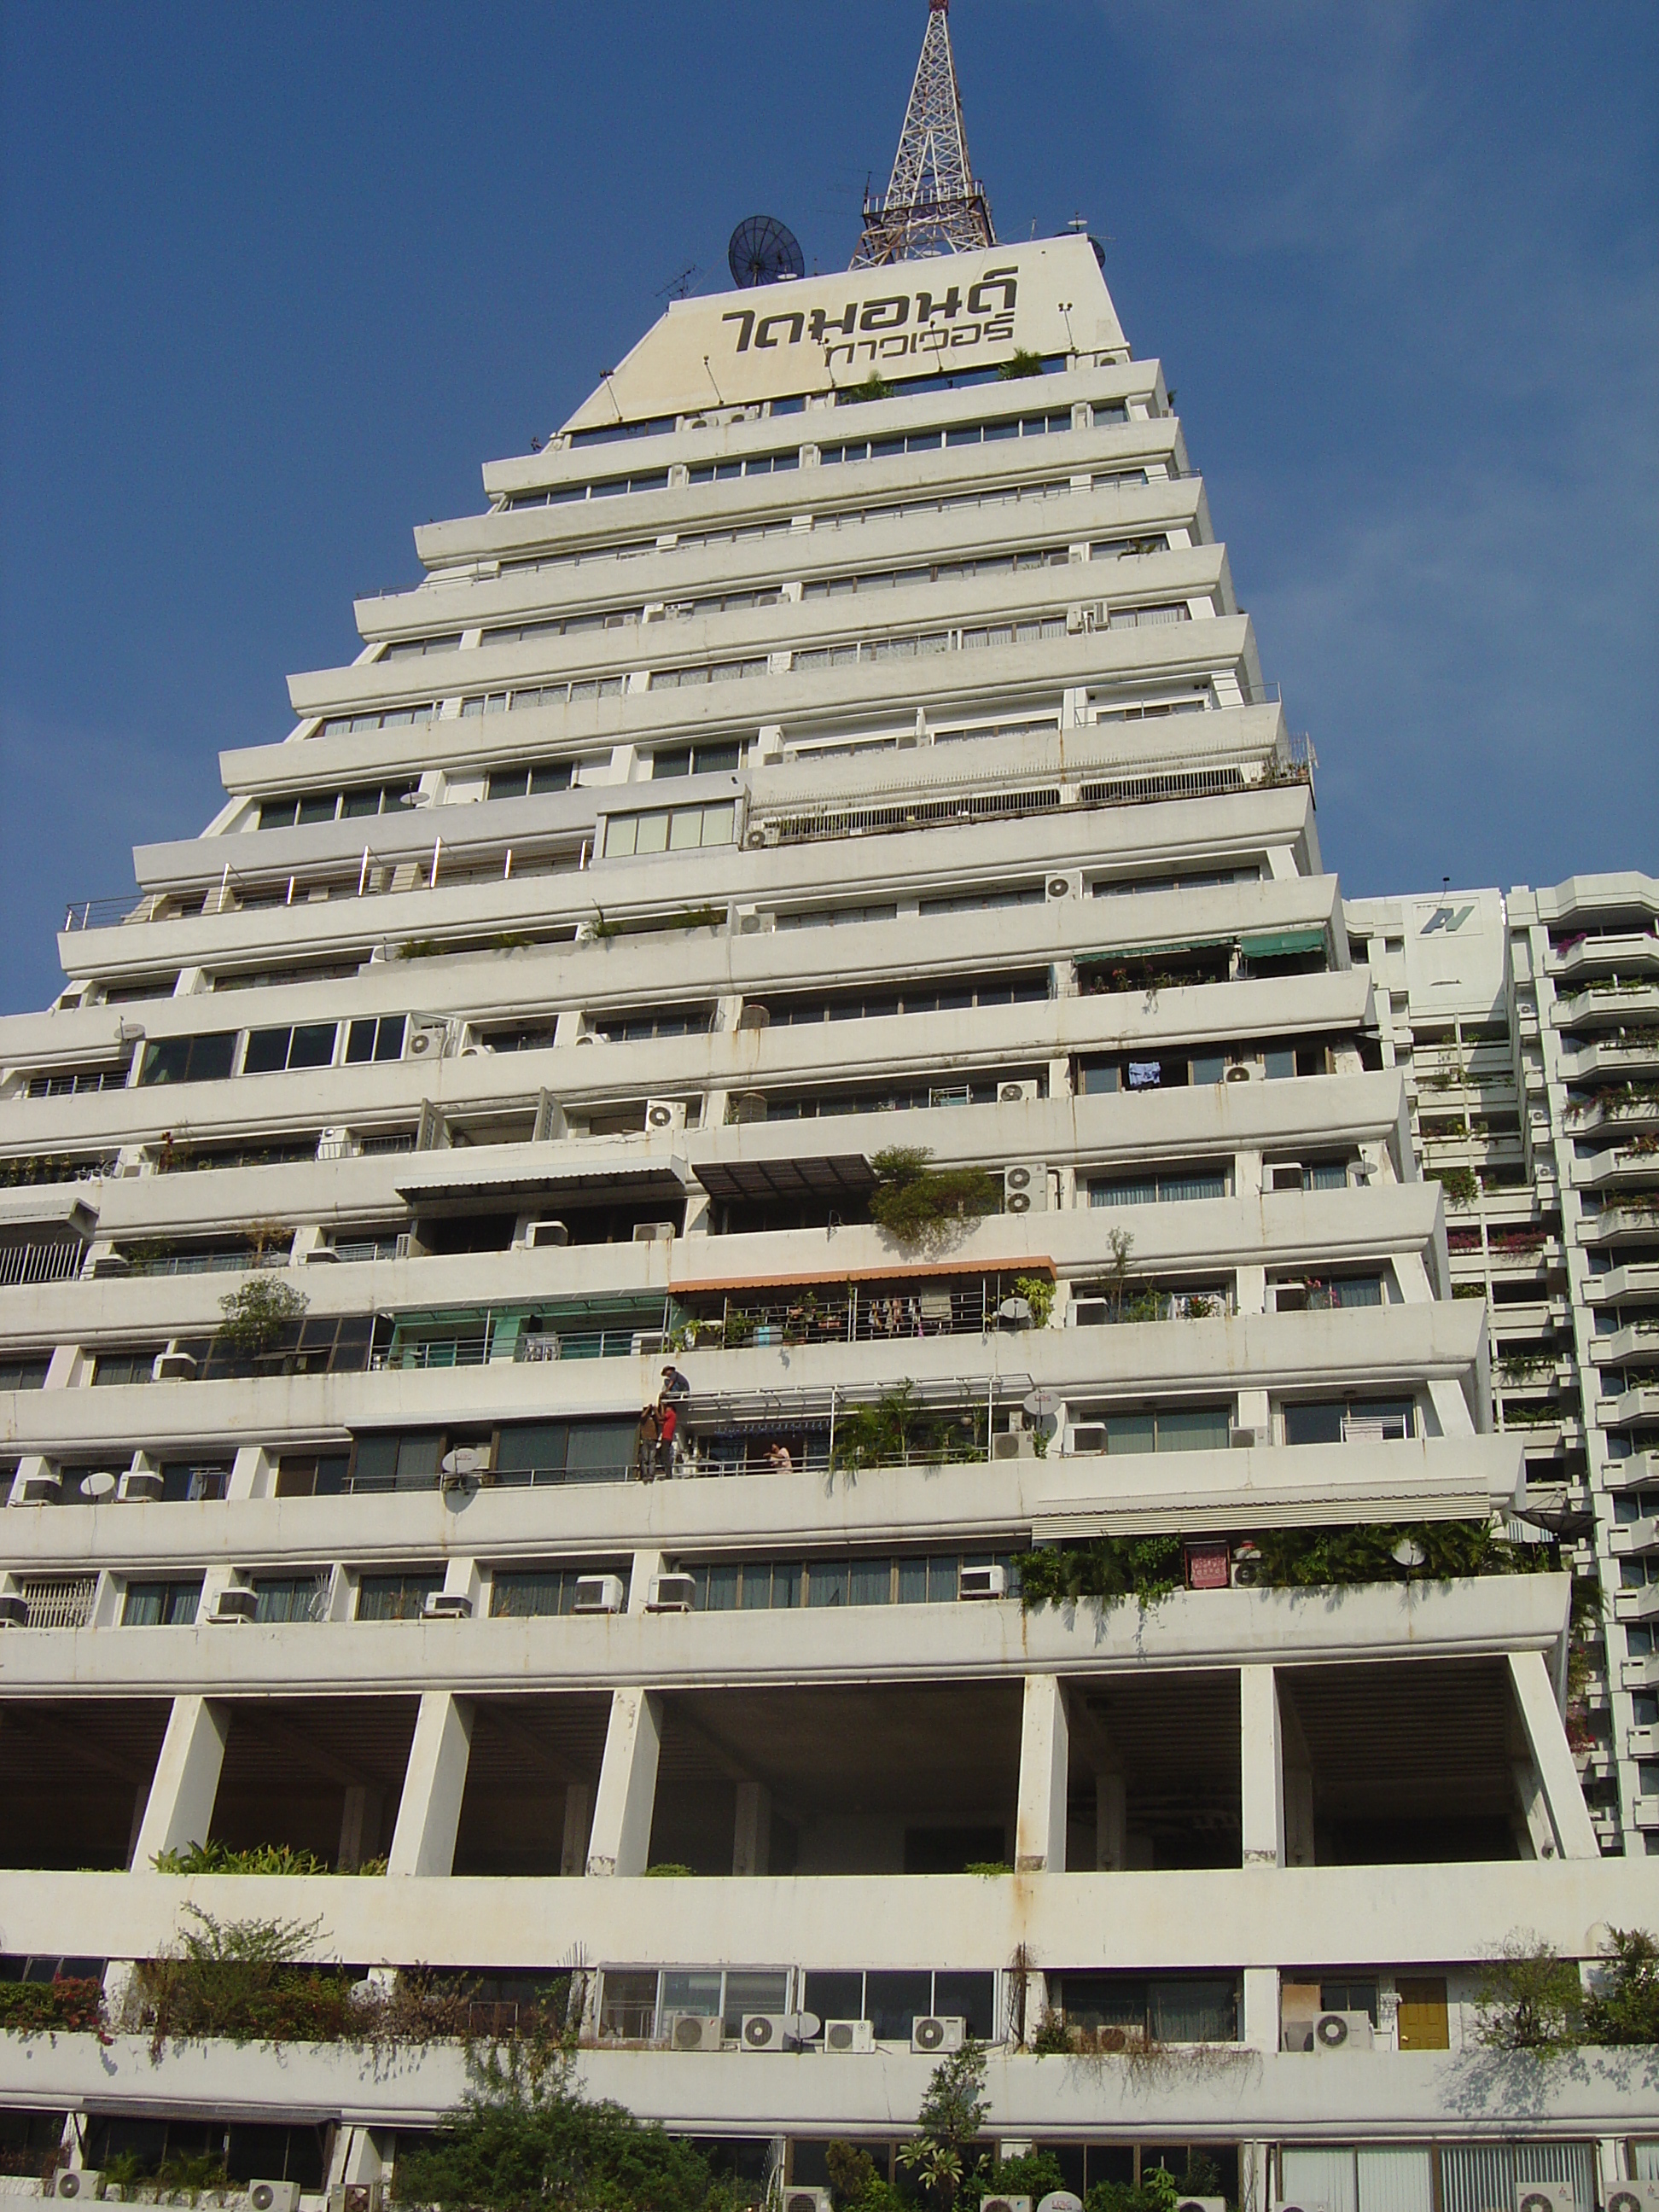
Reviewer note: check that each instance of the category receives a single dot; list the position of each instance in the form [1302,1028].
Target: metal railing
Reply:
[64,1602]
[54,1262]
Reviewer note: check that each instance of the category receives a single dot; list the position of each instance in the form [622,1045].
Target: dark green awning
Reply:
[1157,952]
[1282,943]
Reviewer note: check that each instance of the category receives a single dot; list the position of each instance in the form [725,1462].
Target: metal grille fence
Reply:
[65,1601]
[52,1263]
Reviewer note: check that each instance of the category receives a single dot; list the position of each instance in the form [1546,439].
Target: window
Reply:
[1351,1420]
[531,780]
[541,695]
[115,1369]
[22,1374]
[184,1483]
[606,487]
[297,810]
[894,1999]
[1164,1189]
[74,1086]
[376,1040]
[308,1475]
[1162,1429]
[757,464]
[681,829]
[1177,2009]
[984,902]
[395,1597]
[784,1586]
[636,2003]
[1322,1294]
[537,1592]
[941,997]
[386,718]
[559,1451]
[1149,617]
[696,760]
[713,672]
[661,1021]
[1314,1174]
[292,1597]
[309,1044]
[160,1605]
[417,648]
[189,1059]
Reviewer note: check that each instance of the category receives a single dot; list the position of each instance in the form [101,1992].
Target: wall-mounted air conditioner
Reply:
[1633,2197]
[545,1235]
[77,2184]
[983,1582]
[427,1038]
[356,2197]
[13,1609]
[320,1255]
[446,1605]
[808,2200]
[1241,1070]
[1090,1437]
[273,2197]
[693,2031]
[754,1016]
[1090,1313]
[599,1593]
[1025,1186]
[1544,2197]
[141,1486]
[1090,614]
[233,1607]
[769,2030]
[1066,886]
[174,1365]
[1343,2031]
[748,1106]
[111,1266]
[841,2036]
[661,1114]
[1285,1174]
[672,1594]
[1012,1444]
[938,2032]
[1017,1090]
[43,1486]
[654,1232]
[335,1143]
[1248,1439]
[754,922]
[1247,1571]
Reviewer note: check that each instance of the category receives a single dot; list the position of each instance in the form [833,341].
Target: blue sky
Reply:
[274,281]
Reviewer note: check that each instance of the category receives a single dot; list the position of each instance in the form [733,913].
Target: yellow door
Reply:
[1423,2025]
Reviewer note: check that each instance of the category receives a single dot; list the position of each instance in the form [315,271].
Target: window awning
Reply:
[448,1178]
[26,1211]
[749,1282]
[1155,951]
[840,1175]
[1281,943]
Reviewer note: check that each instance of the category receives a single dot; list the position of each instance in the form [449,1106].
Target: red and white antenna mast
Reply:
[931,204]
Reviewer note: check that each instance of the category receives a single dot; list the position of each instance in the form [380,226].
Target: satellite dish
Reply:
[763,251]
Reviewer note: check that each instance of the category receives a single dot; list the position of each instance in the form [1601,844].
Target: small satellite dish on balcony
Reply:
[466,1461]
[1408,1553]
[1042,1405]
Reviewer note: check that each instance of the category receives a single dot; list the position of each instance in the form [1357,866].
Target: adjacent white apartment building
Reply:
[842,737]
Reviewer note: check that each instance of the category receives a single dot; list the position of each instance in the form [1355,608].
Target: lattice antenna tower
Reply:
[932,203]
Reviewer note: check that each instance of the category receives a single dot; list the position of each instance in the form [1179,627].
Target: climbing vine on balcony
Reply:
[921,1206]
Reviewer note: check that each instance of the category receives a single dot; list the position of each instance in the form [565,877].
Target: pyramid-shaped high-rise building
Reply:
[808,922]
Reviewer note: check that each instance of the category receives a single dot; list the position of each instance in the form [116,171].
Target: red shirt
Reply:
[668,1421]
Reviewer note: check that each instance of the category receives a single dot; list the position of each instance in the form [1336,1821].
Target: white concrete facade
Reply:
[859,773]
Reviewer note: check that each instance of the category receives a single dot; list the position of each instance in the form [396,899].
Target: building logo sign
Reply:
[1446,919]
[901,325]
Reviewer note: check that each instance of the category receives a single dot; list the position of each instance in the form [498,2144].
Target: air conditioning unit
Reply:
[142,1486]
[13,1609]
[231,1606]
[937,2032]
[983,1582]
[1247,1567]
[335,1144]
[320,1255]
[748,1106]
[78,2184]
[427,1038]
[1242,1071]
[1090,1313]
[446,1605]
[693,2031]
[755,1015]
[1018,1090]
[43,1488]
[1343,2031]
[544,1235]
[808,2200]
[1248,1439]
[1090,1437]
[1025,1186]
[654,1232]
[997,2202]
[356,2197]
[173,1366]
[1012,1444]
[1089,615]
[111,1266]
[648,1343]
[672,1594]
[1633,2197]
[1285,1174]
[1544,2197]
[273,2197]
[752,922]
[769,2030]
[409,1246]
[599,1593]
[847,2035]
[664,1114]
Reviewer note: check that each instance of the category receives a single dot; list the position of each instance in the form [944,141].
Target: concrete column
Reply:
[252,1474]
[1258,2029]
[429,1811]
[621,1842]
[647,1565]
[1261,1790]
[360,1827]
[1111,1824]
[752,1838]
[1044,1749]
[1552,1759]
[180,1809]
[578,1819]
[1296,1781]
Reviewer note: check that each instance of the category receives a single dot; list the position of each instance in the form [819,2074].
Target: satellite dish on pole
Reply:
[763,251]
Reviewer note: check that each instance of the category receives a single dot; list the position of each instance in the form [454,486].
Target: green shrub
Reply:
[1626,2009]
[1025,363]
[1528,1999]
[1104,1573]
[69,2006]
[259,1313]
[920,1205]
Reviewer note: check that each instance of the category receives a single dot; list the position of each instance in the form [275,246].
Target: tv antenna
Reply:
[763,251]
[677,286]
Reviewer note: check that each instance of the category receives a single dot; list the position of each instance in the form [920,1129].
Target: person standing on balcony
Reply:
[645,1445]
[668,1423]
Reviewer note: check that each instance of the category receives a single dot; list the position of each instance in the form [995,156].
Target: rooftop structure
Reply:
[932,203]
[807,919]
